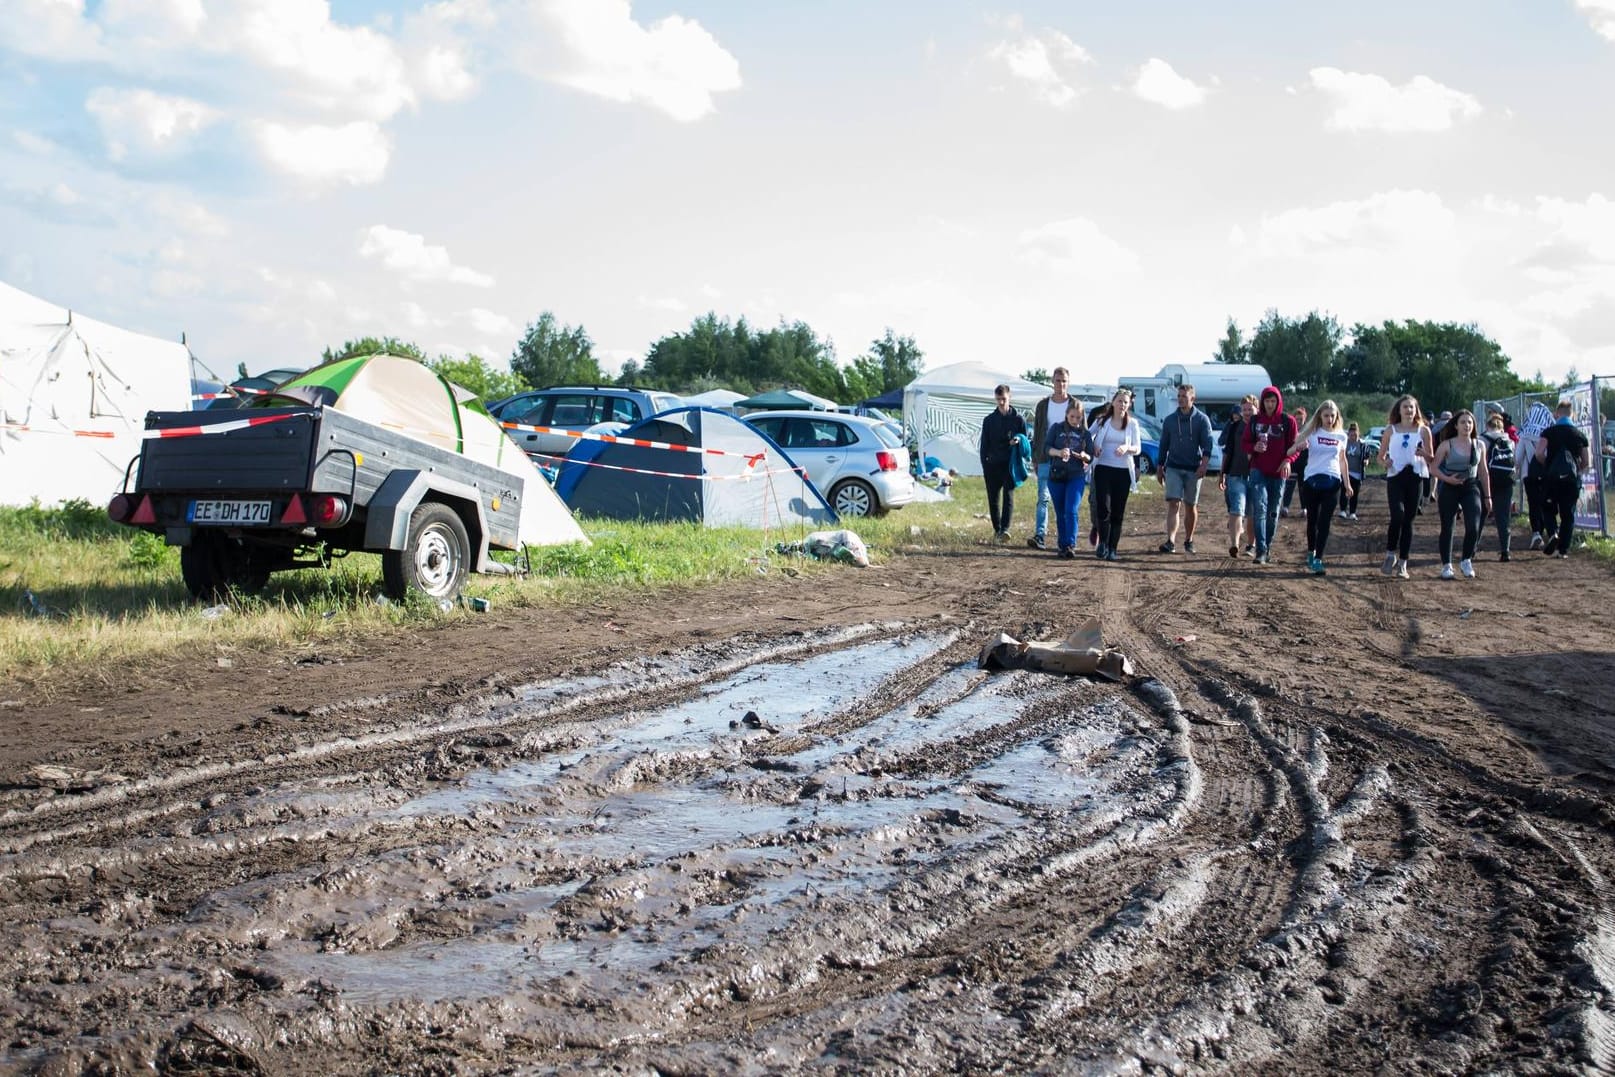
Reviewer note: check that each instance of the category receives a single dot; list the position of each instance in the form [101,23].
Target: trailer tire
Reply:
[435,557]
[213,566]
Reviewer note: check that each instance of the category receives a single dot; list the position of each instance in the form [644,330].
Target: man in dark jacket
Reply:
[999,433]
[1235,478]
[1185,455]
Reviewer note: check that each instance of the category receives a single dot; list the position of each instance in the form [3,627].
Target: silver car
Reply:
[858,464]
[574,408]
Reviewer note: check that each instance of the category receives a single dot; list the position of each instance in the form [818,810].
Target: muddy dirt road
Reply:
[1337,824]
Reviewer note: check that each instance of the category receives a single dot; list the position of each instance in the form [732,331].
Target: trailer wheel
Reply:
[212,566]
[434,559]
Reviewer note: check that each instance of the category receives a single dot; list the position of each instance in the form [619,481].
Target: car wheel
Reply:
[1146,466]
[854,498]
[435,558]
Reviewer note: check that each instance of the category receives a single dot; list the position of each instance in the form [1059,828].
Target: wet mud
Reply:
[746,843]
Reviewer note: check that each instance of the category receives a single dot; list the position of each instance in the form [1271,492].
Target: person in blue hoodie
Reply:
[1068,451]
[1002,432]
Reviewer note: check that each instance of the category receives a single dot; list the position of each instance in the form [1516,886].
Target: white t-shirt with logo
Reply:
[1323,452]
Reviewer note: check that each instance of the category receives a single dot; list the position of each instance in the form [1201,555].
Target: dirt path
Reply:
[1345,823]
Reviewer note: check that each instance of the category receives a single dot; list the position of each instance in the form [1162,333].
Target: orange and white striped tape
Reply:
[24,428]
[617,439]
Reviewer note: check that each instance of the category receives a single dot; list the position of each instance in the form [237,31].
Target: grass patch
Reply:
[82,596]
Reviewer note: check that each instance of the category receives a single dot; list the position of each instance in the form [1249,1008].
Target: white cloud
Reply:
[155,23]
[443,73]
[51,29]
[1600,14]
[1159,84]
[674,65]
[147,122]
[1387,220]
[61,203]
[188,215]
[1371,103]
[411,257]
[38,145]
[353,153]
[489,324]
[345,69]
[1589,225]
[1044,62]
[667,303]
[1079,247]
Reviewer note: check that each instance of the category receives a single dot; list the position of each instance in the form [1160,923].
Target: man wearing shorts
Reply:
[1235,479]
[1185,455]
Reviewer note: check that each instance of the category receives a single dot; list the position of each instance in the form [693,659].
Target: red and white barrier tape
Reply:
[750,473]
[215,428]
[617,439]
[24,428]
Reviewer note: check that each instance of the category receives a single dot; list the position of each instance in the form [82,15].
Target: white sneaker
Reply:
[1401,570]
[1467,567]
[1351,516]
[1389,567]
[1536,540]
[1343,515]
[1447,573]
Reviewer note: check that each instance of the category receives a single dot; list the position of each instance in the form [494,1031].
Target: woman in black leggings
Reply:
[1404,449]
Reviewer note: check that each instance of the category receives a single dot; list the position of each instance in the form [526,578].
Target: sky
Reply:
[1094,185]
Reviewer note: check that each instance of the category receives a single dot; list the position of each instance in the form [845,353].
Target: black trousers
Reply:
[1536,500]
[1111,485]
[1403,492]
[1562,495]
[1319,505]
[1502,510]
[1000,498]
[1452,500]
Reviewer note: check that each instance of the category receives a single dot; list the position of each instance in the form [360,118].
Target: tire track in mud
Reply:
[843,851]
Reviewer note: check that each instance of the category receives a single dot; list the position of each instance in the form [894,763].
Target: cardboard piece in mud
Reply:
[1083,653]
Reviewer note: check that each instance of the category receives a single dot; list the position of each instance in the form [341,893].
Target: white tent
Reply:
[74,393]
[721,399]
[943,409]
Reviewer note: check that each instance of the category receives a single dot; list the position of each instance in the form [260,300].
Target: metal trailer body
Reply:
[248,494]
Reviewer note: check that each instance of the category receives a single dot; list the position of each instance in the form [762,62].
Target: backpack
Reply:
[1501,457]
[1561,465]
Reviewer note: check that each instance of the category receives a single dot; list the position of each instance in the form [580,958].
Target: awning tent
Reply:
[890,400]
[410,398]
[943,409]
[786,400]
[734,477]
[74,393]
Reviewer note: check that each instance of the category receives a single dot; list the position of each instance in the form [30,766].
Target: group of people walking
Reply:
[1268,453]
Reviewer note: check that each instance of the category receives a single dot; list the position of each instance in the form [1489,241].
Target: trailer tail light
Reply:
[294,512]
[887,460]
[330,511]
[145,514]
[119,509]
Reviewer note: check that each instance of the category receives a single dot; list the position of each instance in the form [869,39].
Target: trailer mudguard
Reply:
[387,519]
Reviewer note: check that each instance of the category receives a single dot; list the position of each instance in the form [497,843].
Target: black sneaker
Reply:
[1503,556]
[1036,542]
[1188,545]
[1167,547]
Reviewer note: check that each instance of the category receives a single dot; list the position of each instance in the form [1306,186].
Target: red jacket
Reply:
[1279,429]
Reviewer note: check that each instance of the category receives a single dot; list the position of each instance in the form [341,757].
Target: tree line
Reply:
[1439,362]
[714,353]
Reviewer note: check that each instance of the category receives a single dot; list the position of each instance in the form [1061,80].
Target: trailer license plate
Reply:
[230,512]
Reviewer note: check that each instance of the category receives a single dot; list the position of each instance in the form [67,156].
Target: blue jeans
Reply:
[1040,521]
[1067,496]
[1265,491]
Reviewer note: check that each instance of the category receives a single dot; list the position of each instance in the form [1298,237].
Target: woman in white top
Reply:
[1463,484]
[1116,444]
[1323,440]
[1404,448]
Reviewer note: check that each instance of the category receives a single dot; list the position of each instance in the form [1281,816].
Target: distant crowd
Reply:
[1468,471]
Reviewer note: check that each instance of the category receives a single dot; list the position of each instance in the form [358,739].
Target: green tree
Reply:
[1297,354]
[373,346]
[1232,348]
[1444,364]
[478,375]
[554,354]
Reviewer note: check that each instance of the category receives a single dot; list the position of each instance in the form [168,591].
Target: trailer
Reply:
[1218,389]
[248,493]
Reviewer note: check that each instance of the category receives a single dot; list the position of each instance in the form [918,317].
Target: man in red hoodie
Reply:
[1270,441]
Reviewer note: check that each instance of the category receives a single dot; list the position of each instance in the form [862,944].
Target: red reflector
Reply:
[886,460]
[144,514]
[329,510]
[294,512]
[118,510]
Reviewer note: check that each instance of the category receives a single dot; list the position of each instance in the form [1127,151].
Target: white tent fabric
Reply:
[721,399]
[74,393]
[943,409]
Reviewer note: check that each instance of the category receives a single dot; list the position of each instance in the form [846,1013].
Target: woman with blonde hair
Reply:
[1404,449]
[1323,443]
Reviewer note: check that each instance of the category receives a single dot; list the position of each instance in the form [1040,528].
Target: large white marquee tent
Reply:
[74,393]
[944,408]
